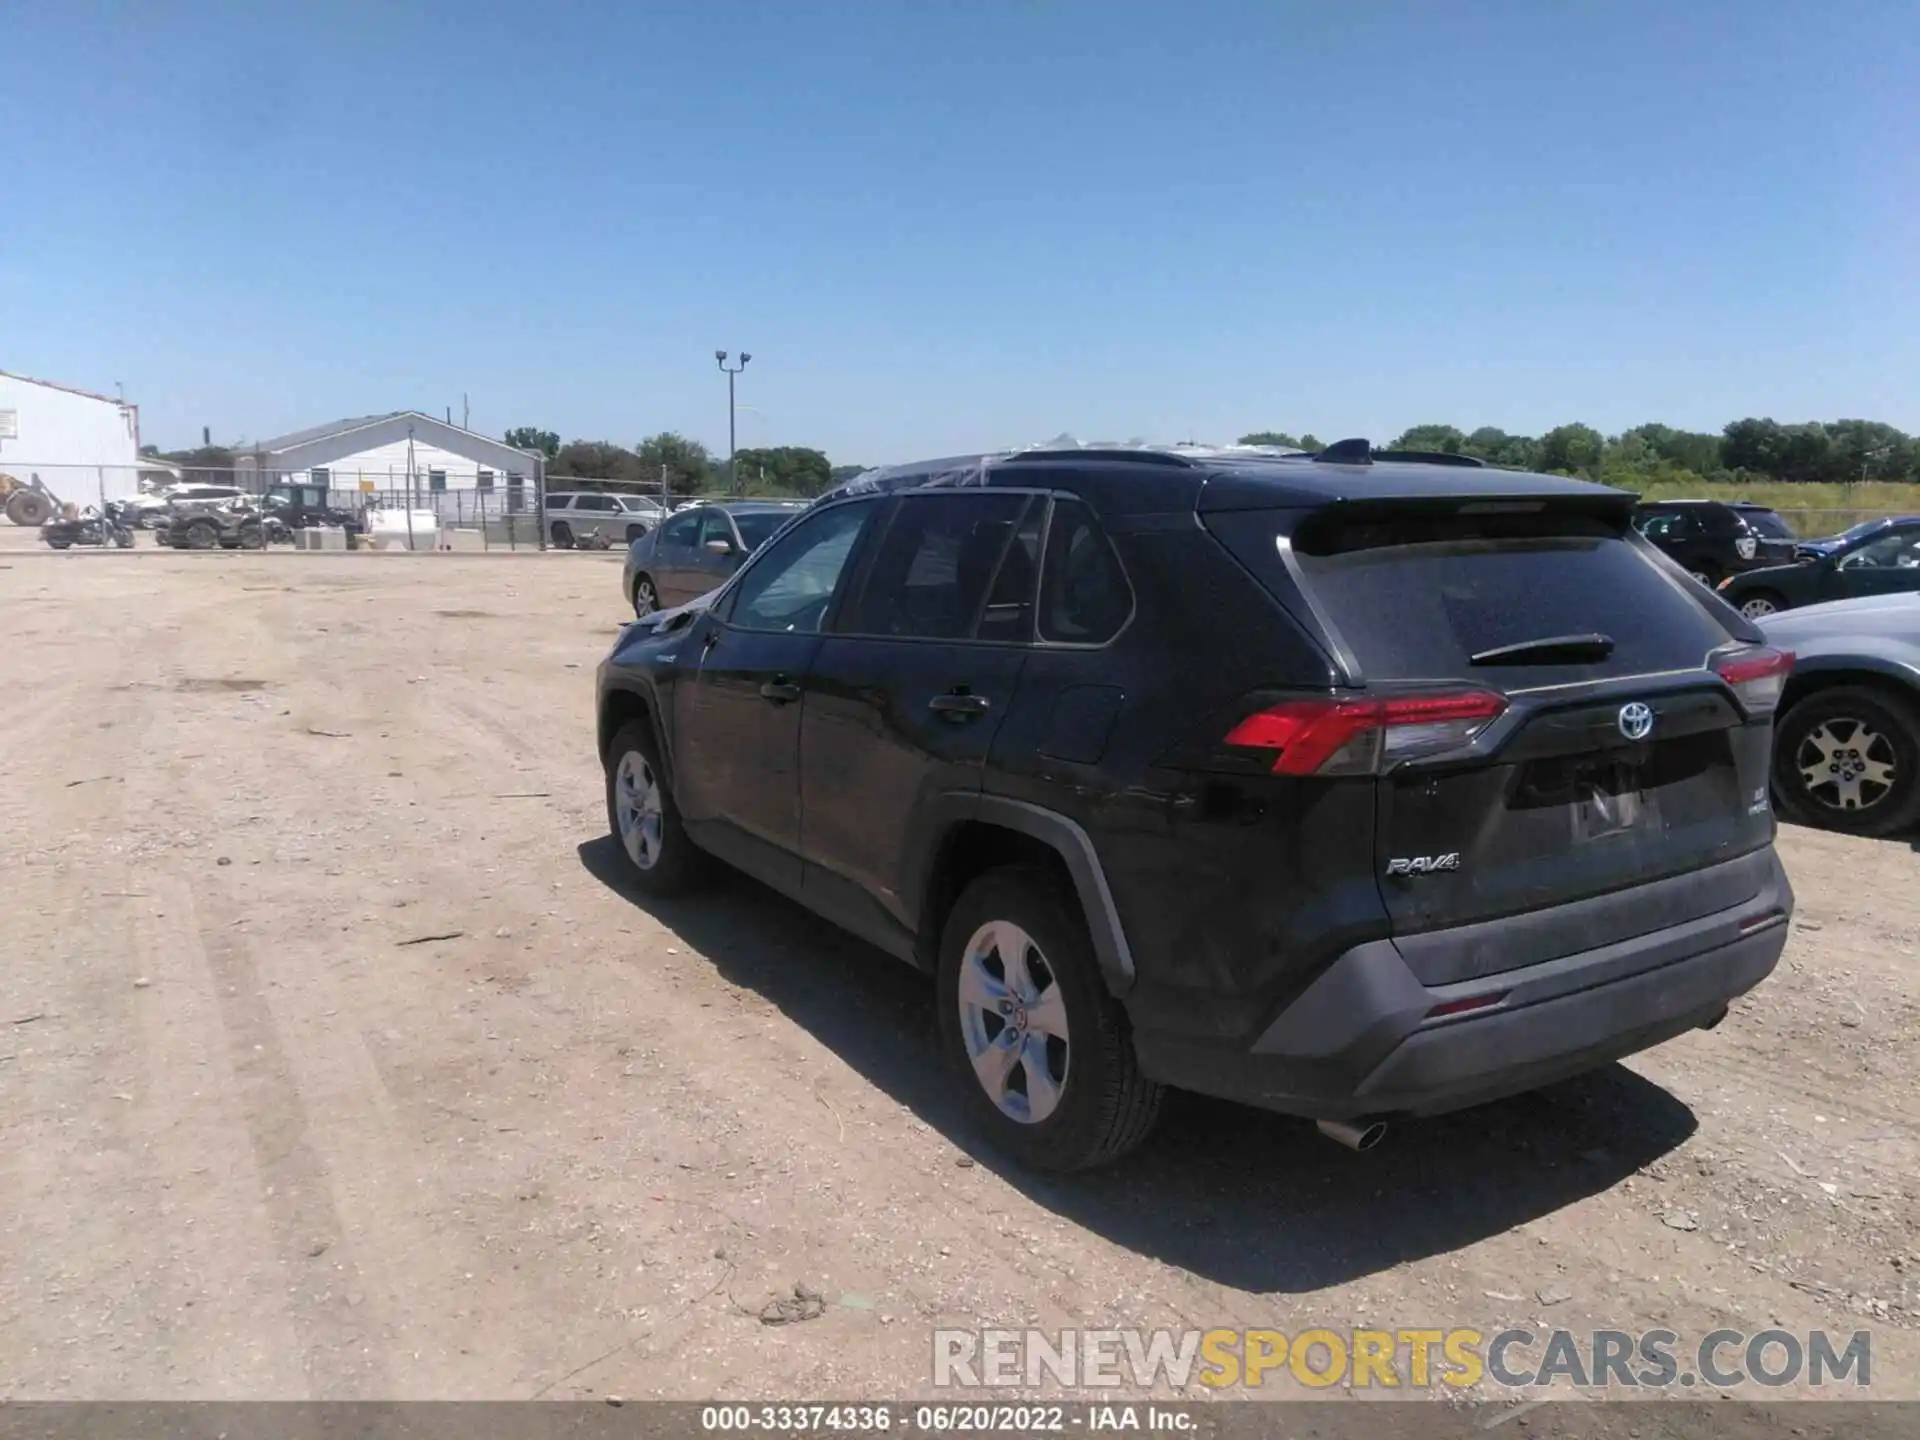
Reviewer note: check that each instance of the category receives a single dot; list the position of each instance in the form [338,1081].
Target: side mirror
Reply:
[719,547]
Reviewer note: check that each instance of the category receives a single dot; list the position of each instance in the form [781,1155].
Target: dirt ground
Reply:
[262,1135]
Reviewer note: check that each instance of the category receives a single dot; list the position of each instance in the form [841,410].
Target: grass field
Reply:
[1810,509]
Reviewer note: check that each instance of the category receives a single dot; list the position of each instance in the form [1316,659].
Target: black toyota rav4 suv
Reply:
[1343,785]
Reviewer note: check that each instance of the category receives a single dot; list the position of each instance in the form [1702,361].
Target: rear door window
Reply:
[1418,596]
[934,567]
[1084,595]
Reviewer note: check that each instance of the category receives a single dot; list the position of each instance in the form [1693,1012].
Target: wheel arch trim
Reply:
[1065,837]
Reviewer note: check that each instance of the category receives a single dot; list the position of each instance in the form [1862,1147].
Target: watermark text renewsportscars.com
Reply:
[1398,1359]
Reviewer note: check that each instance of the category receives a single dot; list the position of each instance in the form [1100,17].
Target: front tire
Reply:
[203,535]
[1848,759]
[646,599]
[1042,1052]
[644,818]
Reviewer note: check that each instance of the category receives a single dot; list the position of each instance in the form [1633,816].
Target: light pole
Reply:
[720,357]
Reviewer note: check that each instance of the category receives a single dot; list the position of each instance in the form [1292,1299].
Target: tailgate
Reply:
[1567,807]
[1620,757]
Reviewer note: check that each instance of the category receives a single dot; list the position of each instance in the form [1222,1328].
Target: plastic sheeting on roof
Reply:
[955,470]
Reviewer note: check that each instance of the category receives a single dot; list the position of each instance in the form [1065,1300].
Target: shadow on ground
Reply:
[1250,1200]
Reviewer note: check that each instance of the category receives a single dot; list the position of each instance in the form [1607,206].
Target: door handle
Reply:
[780,692]
[960,707]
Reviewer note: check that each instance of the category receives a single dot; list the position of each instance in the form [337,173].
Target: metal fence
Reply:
[499,503]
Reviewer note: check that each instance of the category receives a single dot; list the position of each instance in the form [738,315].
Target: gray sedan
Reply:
[695,551]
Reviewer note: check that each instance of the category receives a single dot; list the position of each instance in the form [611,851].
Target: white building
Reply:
[387,458]
[83,447]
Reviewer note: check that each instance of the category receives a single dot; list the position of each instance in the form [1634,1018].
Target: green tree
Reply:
[1443,439]
[1869,450]
[1684,449]
[783,470]
[688,465]
[843,473]
[1271,437]
[1495,446]
[526,437]
[596,460]
[1574,449]
[1312,443]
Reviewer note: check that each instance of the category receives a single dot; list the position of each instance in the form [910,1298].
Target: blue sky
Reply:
[942,225]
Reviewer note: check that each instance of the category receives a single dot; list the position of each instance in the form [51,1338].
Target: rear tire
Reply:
[1853,743]
[1705,575]
[644,817]
[203,535]
[563,536]
[1761,603]
[1085,1085]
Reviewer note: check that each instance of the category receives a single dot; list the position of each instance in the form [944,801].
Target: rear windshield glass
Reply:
[1765,522]
[1418,597]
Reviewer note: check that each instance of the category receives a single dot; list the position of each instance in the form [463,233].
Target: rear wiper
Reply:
[1566,649]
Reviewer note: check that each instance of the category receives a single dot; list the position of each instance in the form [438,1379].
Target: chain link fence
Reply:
[504,508]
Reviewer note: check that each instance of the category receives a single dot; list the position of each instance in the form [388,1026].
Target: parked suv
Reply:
[575,515]
[1353,790]
[1713,539]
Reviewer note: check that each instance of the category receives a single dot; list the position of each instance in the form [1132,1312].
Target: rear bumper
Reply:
[1362,1039]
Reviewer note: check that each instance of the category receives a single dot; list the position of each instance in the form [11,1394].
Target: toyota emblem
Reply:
[1636,720]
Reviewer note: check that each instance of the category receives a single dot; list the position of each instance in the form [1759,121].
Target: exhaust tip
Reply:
[1362,1134]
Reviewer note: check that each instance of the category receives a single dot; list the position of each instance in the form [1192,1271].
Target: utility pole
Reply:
[733,475]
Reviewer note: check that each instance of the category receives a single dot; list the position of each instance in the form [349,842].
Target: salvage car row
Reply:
[1358,786]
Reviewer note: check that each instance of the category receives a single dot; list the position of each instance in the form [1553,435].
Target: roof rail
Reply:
[1360,452]
[1431,457]
[1136,457]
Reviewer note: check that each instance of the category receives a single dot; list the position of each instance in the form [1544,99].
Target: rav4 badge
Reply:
[1424,864]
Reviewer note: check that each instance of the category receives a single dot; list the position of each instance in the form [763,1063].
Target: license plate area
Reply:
[1610,799]
[1600,795]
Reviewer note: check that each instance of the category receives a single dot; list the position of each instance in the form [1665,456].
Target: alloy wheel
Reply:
[638,809]
[1845,764]
[1013,1021]
[1758,606]
[645,601]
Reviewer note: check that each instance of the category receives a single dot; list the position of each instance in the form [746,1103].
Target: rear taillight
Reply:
[1757,675]
[1363,737]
